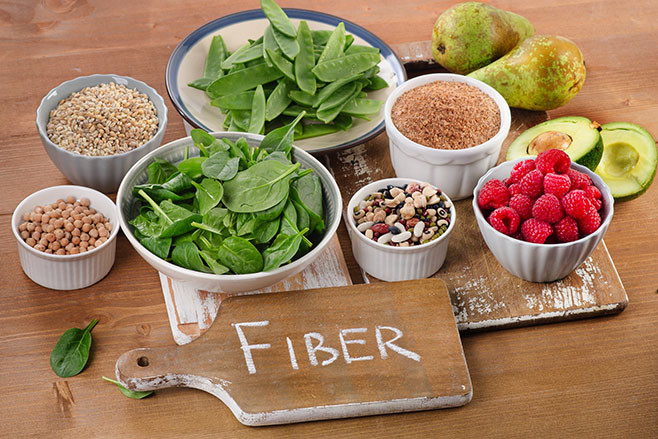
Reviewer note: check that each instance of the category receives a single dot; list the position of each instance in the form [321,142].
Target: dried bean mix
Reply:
[446,115]
[65,227]
[404,216]
[103,120]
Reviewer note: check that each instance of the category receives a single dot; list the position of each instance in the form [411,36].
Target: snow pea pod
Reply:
[238,101]
[243,54]
[348,65]
[377,83]
[288,45]
[277,18]
[357,48]
[257,121]
[279,99]
[320,37]
[330,114]
[284,66]
[268,43]
[245,79]
[330,89]
[240,118]
[302,98]
[216,56]
[335,44]
[305,60]
[341,96]
[359,107]
[317,129]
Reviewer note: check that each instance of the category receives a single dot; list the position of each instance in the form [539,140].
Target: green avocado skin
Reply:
[587,154]
[541,73]
[471,35]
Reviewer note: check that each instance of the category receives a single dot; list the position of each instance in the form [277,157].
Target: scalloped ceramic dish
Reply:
[188,59]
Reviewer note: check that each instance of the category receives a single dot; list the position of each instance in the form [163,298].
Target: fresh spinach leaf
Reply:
[282,250]
[192,167]
[212,262]
[208,194]
[264,231]
[272,212]
[187,255]
[240,255]
[307,192]
[70,354]
[160,170]
[220,166]
[258,188]
[281,138]
[134,394]
[158,246]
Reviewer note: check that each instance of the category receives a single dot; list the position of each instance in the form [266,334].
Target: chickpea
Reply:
[64,241]
[103,233]
[31,242]
[44,242]
[38,210]
[92,241]
[60,252]
[36,235]
[45,218]
[35,217]
[67,235]
[75,240]
[55,214]
[84,244]
[70,247]
[70,199]
[31,227]
[49,228]
[102,240]
[86,227]
[66,213]
[40,247]
[84,202]
[59,234]
[84,237]
[69,226]
[75,232]
[87,220]
[77,216]
[74,251]
[22,227]
[87,212]
[77,223]
[108,226]
[38,229]
[61,205]
[93,211]
[59,224]
[83,249]
[47,208]
[25,234]
[49,251]
[50,237]
[79,209]
[93,233]
[26,216]
[55,245]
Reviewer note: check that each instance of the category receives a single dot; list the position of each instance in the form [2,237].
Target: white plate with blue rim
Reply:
[187,61]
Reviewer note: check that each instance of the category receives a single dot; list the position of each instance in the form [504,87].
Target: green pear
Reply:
[541,73]
[468,36]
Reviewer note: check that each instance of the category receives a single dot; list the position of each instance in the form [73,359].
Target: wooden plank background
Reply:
[590,378]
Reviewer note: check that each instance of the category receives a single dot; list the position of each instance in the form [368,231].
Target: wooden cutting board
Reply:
[319,354]
[483,294]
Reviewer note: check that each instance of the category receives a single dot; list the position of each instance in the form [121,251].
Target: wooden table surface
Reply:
[589,378]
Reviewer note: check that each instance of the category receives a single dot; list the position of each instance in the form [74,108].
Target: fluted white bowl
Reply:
[541,262]
[103,173]
[456,172]
[67,272]
[396,263]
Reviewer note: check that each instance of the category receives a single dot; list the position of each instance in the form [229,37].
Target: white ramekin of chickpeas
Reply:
[66,236]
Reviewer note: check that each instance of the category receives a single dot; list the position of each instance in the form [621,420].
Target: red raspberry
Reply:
[493,195]
[553,160]
[522,204]
[566,230]
[505,220]
[596,203]
[514,189]
[578,179]
[521,169]
[556,184]
[593,193]
[548,208]
[576,204]
[532,184]
[536,231]
[508,181]
[518,235]
[589,223]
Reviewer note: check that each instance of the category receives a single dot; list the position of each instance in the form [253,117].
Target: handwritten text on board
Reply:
[314,342]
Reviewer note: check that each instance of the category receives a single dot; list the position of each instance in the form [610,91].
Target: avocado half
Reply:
[629,159]
[577,136]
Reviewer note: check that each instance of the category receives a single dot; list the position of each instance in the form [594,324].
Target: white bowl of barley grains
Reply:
[448,159]
[94,128]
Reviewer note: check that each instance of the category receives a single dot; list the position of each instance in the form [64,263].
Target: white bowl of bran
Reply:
[454,127]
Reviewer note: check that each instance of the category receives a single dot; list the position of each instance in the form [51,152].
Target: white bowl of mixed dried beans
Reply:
[446,129]
[94,128]
[66,236]
[399,228]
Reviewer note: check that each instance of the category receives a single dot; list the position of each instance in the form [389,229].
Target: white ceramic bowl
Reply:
[541,262]
[456,172]
[396,263]
[231,283]
[103,173]
[67,272]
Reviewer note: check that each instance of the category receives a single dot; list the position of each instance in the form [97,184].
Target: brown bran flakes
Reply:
[446,115]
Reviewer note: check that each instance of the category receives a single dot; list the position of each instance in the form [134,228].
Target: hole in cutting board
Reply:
[143,361]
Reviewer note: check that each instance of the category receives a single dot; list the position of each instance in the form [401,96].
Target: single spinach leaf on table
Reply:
[187,255]
[70,354]
[282,250]
[208,194]
[258,188]
[240,255]
[134,394]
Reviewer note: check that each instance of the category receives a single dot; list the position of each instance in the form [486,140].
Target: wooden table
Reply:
[588,378]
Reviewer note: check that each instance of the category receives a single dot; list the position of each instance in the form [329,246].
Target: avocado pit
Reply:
[549,140]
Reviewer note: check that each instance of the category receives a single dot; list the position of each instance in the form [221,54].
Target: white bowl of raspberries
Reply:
[541,218]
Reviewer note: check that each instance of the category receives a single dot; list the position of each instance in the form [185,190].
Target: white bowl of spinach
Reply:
[229,211]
